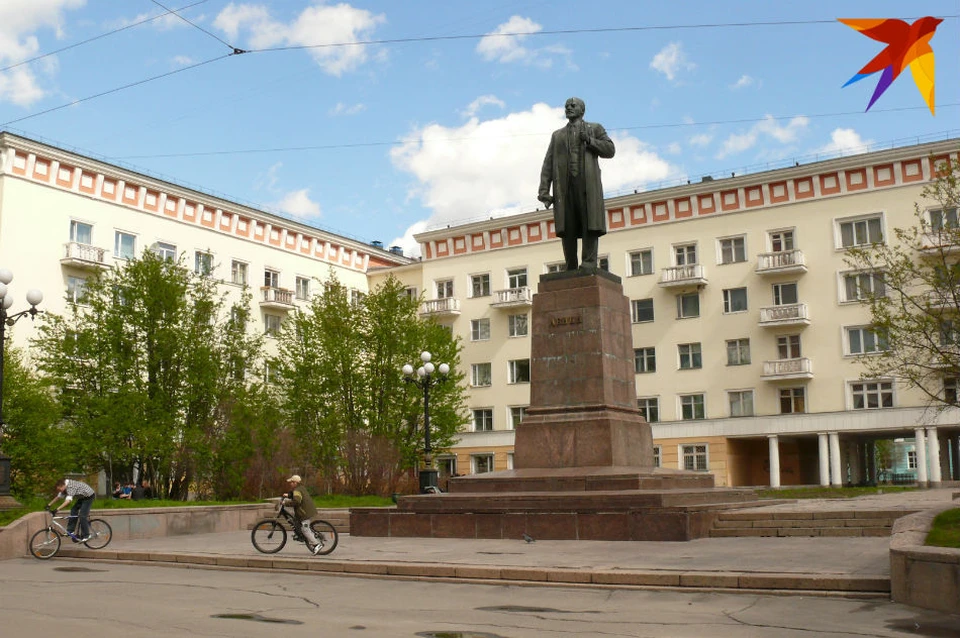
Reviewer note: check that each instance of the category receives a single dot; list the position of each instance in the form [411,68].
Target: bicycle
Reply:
[46,543]
[269,535]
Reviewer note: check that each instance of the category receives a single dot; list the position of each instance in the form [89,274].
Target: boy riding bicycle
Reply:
[304,511]
[82,496]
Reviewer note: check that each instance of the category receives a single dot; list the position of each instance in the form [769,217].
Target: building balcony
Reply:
[783,262]
[83,256]
[521,297]
[682,276]
[446,307]
[787,369]
[945,242]
[276,298]
[794,314]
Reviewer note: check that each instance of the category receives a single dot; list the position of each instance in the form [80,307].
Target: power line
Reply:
[97,37]
[667,125]
[235,50]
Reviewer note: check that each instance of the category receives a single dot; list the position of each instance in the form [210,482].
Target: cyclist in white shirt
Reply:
[82,496]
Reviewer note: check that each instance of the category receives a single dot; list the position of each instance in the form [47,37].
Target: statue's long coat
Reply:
[555,172]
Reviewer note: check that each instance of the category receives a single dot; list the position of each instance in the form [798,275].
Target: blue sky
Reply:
[430,118]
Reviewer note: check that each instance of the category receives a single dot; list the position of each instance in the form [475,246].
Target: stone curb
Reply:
[837,584]
[923,576]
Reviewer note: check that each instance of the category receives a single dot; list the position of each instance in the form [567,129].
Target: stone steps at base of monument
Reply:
[838,523]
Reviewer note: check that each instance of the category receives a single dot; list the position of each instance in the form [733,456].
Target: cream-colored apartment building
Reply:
[746,321]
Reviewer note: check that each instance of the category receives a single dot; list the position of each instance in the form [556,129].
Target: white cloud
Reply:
[19,22]
[492,167]
[410,246]
[299,204]
[765,128]
[700,139]
[482,101]
[269,179]
[845,141]
[183,60]
[671,60]
[674,148]
[347,109]
[319,24]
[743,82]
[161,21]
[497,47]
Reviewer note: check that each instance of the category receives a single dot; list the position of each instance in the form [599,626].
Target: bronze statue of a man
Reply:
[572,166]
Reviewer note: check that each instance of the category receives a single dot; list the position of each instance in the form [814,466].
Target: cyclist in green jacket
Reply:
[303,510]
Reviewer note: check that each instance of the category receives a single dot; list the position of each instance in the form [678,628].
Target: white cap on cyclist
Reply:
[295,479]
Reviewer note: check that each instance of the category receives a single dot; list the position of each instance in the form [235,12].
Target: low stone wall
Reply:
[922,576]
[129,523]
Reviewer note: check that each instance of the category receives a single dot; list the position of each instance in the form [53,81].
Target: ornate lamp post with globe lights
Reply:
[34,297]
[424,379]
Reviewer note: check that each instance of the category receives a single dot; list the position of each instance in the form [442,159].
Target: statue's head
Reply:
[574,108]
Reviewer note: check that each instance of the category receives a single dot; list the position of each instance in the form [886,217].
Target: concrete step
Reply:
[805,523]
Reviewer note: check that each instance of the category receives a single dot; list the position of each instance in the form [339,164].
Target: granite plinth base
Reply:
[7,502]
[574,479]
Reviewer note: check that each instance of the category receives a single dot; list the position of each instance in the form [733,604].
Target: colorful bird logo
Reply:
[906,44]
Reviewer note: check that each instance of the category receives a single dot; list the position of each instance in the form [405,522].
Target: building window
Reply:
[480,375]
[483,420]
[688,305]
[76,288]
[411,293]
[911,459]
[81,233]
[657,456]
[741,402]
[788,347]
[124,245]
[950,393]
[860,286]
[644,360]
[650,409]
[860,232]
[445,289]
[517,415]
[518,371]
[165,251]
[642,310]
[694,457]
[356,297]
[517,278]
[479,329]
[480,285]
[738,352]
[781,241]
[238,273]
[872,395]
[945,218]
[862,340]
[685,255]
[447,466]
[734,300]
[603,263]
[692,407]
[641,262]
[733,250]
[271,278]
[792,401]
[271,324]
[557,266]
[689,356]
[202,263]
[482,463]
[303,288]
[785,294]
[517,325]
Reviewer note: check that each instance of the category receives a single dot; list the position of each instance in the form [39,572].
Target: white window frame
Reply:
[951,390]
[642,358]
[865,334]
[681,310]
[680,254]
[728,301]
[911,459]
[513,327]
[514,367]
[693,353]
[554,266]
[76,289]
[302,288]
[854,221]
[117,236]
[793,399]
[682,400]
[517,277]
[483,417]
[692,450]
[644,404]
[203,263]
[634,310]
[486,458]
[739,349]
[782,234]
[477,375]
[75,225]
[949,218]
[878,388]
[739,396]
[632,262]
[875,285]
[483,279]
[778,289]
[732,239]
[239,272]
[789,345]
[477,332]
[657,456]
[513,411]
[268,328]
[165,250]
[443,288]
[271,278]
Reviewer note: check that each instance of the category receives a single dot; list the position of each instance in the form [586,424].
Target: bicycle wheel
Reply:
[45,544]
[100,534]
[268,536]
[326,533]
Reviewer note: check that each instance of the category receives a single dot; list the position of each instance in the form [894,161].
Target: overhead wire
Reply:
[235,50]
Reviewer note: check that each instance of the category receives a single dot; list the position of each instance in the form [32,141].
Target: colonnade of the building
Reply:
[928,457]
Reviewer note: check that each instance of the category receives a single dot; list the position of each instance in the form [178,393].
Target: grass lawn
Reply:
[334,500]
[830,492]
[946,530]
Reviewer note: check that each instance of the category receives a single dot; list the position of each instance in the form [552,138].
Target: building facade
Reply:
[746,321]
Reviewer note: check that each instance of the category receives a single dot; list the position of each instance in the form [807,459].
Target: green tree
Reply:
[915,300]
[33,435]
[355,420]
[143,365]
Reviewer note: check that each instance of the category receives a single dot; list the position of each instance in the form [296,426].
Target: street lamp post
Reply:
[424,379]
[34,297]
